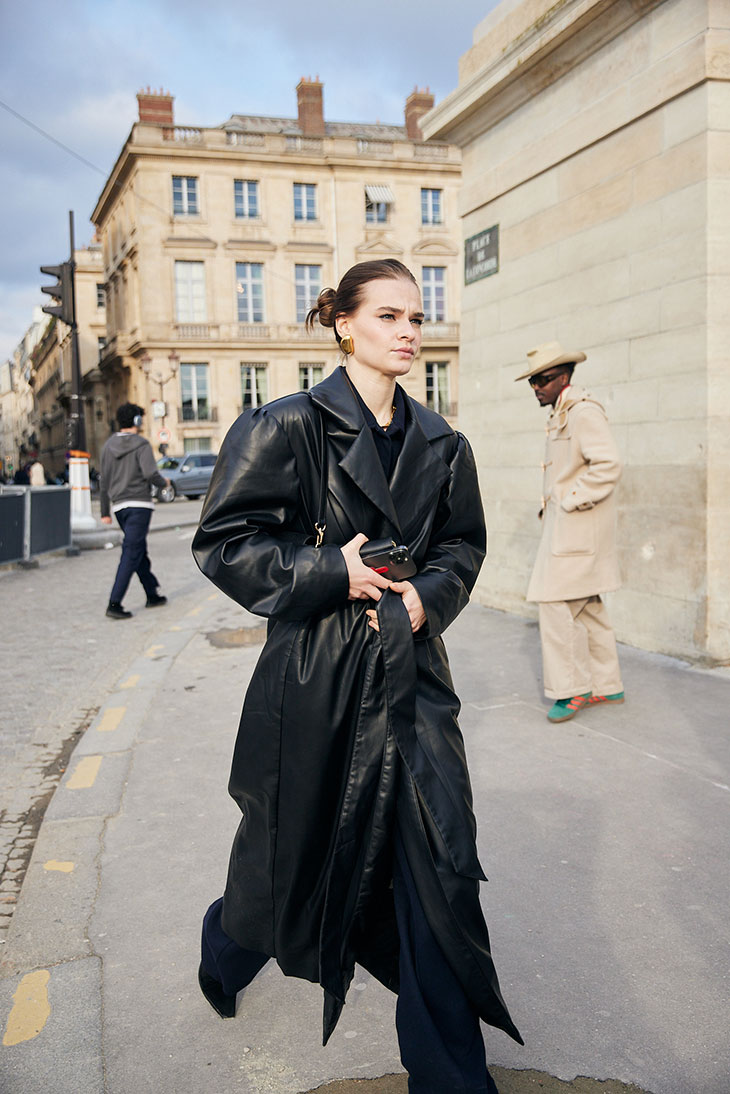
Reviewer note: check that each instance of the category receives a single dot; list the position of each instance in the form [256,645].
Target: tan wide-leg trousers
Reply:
[578,649]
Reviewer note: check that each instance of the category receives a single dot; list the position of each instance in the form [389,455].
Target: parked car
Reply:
[188,475]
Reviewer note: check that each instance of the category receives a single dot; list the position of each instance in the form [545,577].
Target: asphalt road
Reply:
[605,841]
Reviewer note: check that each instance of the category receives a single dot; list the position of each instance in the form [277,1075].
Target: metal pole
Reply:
[77,402]
[78,464]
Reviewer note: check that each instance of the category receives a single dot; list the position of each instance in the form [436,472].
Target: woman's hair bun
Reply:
[324,309]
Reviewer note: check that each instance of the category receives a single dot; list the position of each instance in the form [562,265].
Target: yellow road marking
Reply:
[196,611]
[131,682]
[174,628]
[110,719]
[85,773]
[213,596]
[31,1008]
[62,867]
[152,651]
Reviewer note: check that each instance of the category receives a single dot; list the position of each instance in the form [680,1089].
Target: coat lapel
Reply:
[362,463]
[352,440]
[419,472]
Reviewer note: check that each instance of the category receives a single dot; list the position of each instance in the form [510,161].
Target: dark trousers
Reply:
[135,560]
[440,1041]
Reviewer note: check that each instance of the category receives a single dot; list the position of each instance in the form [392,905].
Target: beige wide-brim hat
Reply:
[548,355]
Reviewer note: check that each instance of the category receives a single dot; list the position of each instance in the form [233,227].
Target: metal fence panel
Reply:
[12,524]
[33,520]
[50,519]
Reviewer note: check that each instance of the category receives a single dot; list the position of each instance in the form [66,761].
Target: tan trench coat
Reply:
[577,552]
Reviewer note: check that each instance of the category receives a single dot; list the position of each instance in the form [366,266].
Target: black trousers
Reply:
[134,523]
[440,1040]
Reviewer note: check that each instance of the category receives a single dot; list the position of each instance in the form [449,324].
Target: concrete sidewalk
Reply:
[605,840]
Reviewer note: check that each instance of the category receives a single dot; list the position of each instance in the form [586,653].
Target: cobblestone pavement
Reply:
[61,654]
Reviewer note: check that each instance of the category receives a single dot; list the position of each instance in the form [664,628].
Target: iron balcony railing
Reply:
[200,413]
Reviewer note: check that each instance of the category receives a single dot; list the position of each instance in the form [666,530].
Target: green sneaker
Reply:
[617,697]
[565,709]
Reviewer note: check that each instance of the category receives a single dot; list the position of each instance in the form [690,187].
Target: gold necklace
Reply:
[390,419]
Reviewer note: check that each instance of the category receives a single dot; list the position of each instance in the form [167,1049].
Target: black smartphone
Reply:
[388,558]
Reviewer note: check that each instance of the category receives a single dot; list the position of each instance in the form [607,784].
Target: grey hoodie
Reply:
[128,469]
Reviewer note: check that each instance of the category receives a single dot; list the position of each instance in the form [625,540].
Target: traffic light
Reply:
[61,291]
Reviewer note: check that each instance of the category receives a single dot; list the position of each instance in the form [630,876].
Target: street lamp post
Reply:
[156,377]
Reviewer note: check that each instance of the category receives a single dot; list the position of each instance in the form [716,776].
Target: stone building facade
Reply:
[596,136]
[217,240]
[18,439]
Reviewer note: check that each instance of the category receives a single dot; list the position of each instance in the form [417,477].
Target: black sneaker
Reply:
[116,611]
[155,601]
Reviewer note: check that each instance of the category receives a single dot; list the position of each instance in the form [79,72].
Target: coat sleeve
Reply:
[249,542]
[603,466]
[456,548]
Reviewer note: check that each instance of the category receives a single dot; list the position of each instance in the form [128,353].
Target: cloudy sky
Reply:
[73,70]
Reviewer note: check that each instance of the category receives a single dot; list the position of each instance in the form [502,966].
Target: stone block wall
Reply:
[610,181]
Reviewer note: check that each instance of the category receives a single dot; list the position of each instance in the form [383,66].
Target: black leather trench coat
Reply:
[346,733]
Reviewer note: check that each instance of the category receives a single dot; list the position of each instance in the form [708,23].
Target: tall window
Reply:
[194,391]
[246,198]
[100,296]
[309,375]
[434,293]
[196,444]
[307,282]
[376,212]
[438,387]
[305,201]
[184,195]
[250,291]
[431,207]
[254,386]
[377,200]
[190,292]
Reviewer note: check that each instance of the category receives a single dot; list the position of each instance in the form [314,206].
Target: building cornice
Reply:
[119,171]
[499,71]
[301,245]
[187,242]
[261,245]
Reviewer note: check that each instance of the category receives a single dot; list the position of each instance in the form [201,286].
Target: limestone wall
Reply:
[601,148]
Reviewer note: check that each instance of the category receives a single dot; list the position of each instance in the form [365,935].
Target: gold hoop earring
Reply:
[347,345]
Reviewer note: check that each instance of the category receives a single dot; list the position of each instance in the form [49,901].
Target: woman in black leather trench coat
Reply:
[357,835]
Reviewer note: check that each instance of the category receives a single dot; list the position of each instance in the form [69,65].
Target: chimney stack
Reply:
[311,107]
[155,107]
[418,103]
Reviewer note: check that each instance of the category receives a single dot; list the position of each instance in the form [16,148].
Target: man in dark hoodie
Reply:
[128,469]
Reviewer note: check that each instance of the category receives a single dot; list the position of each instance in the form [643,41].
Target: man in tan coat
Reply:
[576,560]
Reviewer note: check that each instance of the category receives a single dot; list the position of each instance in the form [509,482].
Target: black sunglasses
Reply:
[543,378]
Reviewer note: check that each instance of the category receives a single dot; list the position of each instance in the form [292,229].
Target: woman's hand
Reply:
[365,584]
[411,602]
